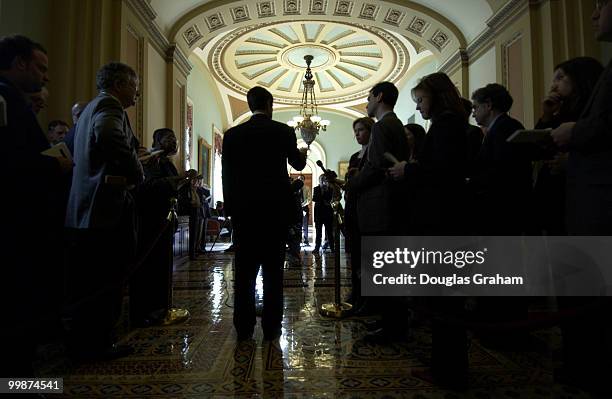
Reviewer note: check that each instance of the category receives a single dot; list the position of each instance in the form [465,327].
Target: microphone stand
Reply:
[173,315]
[337,309]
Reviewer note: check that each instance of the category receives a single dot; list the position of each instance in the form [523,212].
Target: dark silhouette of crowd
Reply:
[102,209]
[113,224]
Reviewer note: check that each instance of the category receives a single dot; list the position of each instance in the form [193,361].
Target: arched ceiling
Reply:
[348,59]
[356,43]
[468,15]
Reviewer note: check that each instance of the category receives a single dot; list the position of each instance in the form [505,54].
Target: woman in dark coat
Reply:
[436,183]
[437,176]
[572,85]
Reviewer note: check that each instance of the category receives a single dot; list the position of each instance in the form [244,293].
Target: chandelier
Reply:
[308,123]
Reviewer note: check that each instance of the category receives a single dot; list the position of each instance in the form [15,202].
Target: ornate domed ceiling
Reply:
[348,59]
[355,43]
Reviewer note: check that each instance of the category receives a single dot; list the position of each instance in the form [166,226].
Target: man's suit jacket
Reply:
[589,169]
[379,197]
[502,165]
[254,169]
[322,199]
[503,180]
[69,138]
[34,205]
[104,146]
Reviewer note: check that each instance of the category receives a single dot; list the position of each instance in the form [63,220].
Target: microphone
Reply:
[320,164]
[327,172]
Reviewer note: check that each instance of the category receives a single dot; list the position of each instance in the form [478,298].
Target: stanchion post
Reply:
[338,309]
[173,315]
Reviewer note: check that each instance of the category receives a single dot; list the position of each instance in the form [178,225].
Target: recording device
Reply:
[331,175]
[327,172]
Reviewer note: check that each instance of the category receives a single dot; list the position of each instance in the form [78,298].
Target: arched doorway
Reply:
[311,171]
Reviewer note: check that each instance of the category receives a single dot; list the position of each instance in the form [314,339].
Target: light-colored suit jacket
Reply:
[104,145]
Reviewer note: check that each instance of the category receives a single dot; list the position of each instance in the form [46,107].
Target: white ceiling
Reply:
[469,15]
[348,60]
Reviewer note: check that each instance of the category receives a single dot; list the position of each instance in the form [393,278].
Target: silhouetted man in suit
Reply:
[266,145]
[30,280]
[76,111]
[101,212]
[323,213]
[379,198]
[502,175]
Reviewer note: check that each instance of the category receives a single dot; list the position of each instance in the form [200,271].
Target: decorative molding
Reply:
[339,36]
[503,13]
[317,7]
[360,64]
[369,11]
[359,54]
[505,46]
[146,15]
[440,40]
[283,35]
[256,52]
[344,8]
[354,44]
[461,57]
[394,17]
[418,26]
[192,35]
[175,55]
[496,24]
[240,13]
[144,8]
[214,22]
[139,128]
[292,7]
[400,63]
[254,62]
[418,46]
[266,42]
[265,9]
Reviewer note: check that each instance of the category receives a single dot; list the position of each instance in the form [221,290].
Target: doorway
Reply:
[307,189]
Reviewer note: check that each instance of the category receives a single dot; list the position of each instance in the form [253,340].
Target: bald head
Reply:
[77,109]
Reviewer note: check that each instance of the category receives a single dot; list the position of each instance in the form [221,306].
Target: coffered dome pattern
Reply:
[347,59]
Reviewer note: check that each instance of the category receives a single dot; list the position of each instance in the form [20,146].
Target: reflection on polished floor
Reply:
[315,357]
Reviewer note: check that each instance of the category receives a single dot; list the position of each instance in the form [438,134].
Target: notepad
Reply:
[534,136]
[59,150]
[150,155]
[391,158]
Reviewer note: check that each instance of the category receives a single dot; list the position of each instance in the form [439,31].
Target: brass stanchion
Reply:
[337,309]
[173,315]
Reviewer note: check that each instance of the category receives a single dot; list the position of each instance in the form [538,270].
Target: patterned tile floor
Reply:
[315,357]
